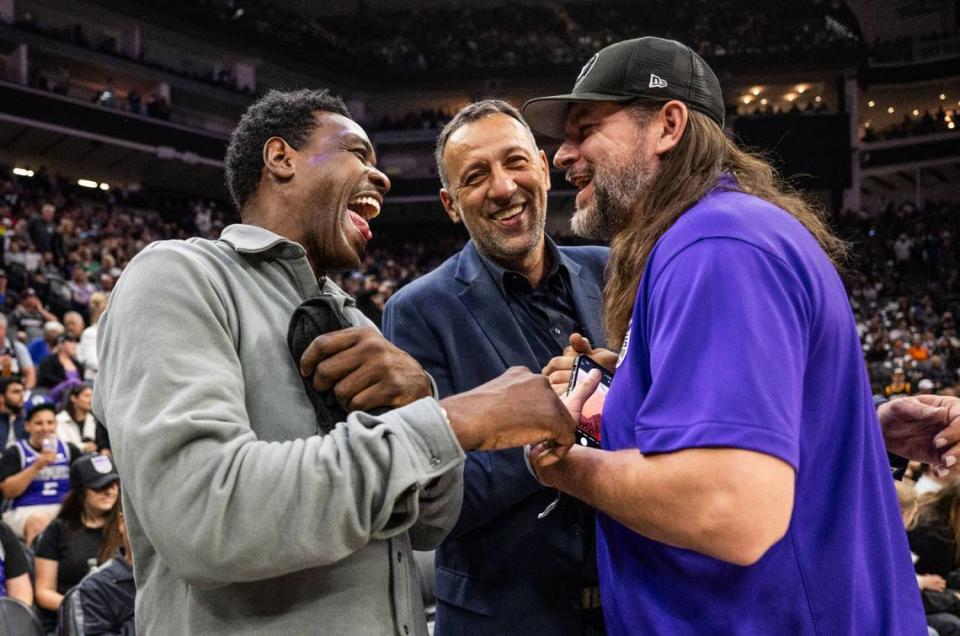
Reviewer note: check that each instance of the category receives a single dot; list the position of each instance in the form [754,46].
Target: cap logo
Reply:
[102,464]
[657,82]
[586,69]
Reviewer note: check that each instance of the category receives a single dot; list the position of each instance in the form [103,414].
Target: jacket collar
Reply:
[253,239]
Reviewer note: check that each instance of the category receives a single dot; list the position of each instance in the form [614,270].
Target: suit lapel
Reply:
[485,302]
[588,300]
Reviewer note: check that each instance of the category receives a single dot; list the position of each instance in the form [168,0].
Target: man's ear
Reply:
[672,117]
[278,159]
[450,206]
[546,167]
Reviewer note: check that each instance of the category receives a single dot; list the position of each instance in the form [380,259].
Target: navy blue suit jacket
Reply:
[501,570]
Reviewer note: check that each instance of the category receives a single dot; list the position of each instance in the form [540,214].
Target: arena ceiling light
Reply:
[802,88]
[756,90]
[23,172]
[871,103]
[104,186]
[87,183]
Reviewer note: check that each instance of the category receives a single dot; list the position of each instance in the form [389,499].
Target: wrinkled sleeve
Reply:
[217,504]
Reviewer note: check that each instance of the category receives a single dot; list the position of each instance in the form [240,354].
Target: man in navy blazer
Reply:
[509,298]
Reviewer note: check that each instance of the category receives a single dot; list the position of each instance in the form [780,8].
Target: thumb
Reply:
[580,344]
[582,392]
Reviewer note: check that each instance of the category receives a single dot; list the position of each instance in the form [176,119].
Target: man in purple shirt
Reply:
[743,484]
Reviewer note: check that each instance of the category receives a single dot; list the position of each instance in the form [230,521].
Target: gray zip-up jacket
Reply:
[243,519]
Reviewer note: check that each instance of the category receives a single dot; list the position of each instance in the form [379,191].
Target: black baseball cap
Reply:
[93,471]
[641,68]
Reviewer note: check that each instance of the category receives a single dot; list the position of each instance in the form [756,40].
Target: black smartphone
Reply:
[589,429]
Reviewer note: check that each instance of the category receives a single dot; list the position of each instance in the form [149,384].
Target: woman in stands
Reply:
[61,368]
[35,473]
[14,568]
[936,531]
[75,423]
[104,600]
[67,550]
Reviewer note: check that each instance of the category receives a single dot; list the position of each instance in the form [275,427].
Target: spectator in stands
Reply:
[15,359]
[925,387]
[934,536]
[68,548]
[73,324]
[81,289]
[87,347]
[13,419]
[14,568]
[938,373]
[105,597]
[898,385]
[932,586]
[917,350]
[42,229]
[30,315]
[41,347]
[75,423]
[35,474]
[60,367]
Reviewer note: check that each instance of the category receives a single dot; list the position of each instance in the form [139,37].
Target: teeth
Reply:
[366,201]
[508,212]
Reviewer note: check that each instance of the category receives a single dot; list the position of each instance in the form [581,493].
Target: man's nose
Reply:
[379,180]
[502,185]
[566,155]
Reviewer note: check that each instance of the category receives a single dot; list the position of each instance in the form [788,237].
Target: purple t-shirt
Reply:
[742,336]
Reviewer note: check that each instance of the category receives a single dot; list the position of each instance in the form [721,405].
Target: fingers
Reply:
[580,344]
[329,344]
[913,408]
[559,363]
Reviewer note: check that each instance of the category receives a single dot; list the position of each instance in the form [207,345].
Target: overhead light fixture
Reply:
[866,125]
[764,101]
[916,113]
[790,97]
[951,125]
[891,110]
[23,172]
[104,186]
[942,97]
[87,183]
[818,99]
[756,90]
[871,103]
[802,88]
[747,99]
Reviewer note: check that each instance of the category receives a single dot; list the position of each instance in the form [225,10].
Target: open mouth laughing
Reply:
[361,209]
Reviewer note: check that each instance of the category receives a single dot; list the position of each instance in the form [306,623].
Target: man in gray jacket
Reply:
[243,516]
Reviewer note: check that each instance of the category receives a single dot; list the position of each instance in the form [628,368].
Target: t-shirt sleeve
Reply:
[23,356]
[49,543]
[14,558]
[10,462]
[727,328]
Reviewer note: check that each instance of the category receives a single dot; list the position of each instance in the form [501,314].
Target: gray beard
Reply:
[616,191]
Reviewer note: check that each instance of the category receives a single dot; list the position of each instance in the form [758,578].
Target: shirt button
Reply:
[406,630]
[556,331]
[434,461]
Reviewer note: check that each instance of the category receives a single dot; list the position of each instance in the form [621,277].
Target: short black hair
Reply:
[469,114]
[285,114]
[6,382]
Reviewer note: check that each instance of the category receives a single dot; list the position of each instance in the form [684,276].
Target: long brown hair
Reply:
[942,508]
[687,173]
[112,539]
